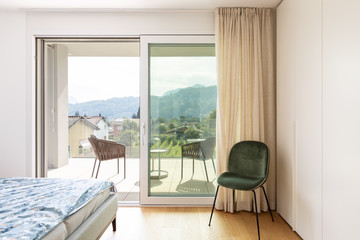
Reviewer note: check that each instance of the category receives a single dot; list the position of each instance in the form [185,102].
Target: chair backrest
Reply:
[106,149]
[208,147]
[249,158]
[93,141]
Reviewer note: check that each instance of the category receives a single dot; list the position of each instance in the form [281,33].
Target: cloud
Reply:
[96,78]
[100,78]
[169,73]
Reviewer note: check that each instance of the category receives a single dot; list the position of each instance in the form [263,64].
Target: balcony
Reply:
[128,189]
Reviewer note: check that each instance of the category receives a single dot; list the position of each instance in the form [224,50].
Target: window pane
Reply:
[182,105]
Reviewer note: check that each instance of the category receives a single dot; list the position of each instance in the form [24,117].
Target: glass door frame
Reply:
[41,164]
[145,198]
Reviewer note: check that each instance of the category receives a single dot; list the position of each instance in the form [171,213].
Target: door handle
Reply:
[143,134]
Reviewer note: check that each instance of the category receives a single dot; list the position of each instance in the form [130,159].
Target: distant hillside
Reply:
[111,108]
[197,101]
[178,89]
[194,101]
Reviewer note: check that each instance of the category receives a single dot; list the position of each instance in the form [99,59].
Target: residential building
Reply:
[101,123]
[117,126]
[80,129]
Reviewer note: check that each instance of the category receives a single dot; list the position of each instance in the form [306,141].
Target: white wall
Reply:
[308,108]
[285,95]
[299,116]
[319,53]
[103,132]
[341,119]
[13,94]
[119,24]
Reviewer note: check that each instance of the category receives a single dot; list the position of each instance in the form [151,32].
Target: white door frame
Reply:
[145,198]
[41,165]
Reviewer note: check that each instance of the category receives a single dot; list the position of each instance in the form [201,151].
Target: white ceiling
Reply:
[134,5]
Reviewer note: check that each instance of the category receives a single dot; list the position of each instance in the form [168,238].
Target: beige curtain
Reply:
[246,93]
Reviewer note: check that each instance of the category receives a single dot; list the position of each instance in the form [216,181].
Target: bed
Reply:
[45,208]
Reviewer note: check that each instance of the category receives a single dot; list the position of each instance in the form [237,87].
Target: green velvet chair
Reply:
[248,169]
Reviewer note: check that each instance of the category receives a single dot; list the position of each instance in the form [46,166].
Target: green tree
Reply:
[129,135]
[208,125]
[192,133]
[212,115]
[128,138]
[171,126]
[162,128]
[182,118]
[129,124]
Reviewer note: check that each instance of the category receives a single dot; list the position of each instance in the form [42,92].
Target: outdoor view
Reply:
[183,96]
[103,100]
[109,107]
[97,86]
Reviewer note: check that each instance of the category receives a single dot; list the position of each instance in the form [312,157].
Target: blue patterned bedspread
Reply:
[31,207]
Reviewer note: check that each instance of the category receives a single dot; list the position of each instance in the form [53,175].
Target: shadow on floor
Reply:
[195,186]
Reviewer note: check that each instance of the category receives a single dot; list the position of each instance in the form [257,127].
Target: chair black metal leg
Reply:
[267,201]
[93,168]
[234,199]
[207,178]
[98,169]
[213,165]
[118,165]
[257,219]
[193,166]
[182,159]
[124,167]
[212,211]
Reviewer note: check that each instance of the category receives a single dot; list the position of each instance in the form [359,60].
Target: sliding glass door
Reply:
[89,89]
[178,114]
[176,130]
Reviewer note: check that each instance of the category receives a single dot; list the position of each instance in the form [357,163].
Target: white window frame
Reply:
[145,198]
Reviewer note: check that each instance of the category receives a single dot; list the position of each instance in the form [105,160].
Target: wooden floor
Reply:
[191,223]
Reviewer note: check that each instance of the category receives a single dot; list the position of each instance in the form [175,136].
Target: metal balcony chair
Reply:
[106,150]
[202,150]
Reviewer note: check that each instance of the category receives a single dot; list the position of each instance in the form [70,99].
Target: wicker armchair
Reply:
[198,151]
[106,150]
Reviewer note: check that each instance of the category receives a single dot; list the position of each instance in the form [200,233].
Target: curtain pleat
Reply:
[246,93]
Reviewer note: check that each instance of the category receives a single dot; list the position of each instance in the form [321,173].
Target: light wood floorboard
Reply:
[191,223]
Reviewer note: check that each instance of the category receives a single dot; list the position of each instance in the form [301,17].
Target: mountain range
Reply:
[111,108]
[197,101]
